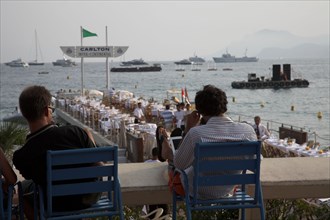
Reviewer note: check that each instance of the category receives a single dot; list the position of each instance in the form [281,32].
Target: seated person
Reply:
[211,105]
[30,159]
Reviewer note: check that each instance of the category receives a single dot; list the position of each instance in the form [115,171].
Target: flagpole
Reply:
[107,61]
[82,63]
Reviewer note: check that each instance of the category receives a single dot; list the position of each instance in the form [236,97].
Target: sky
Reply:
[153,30]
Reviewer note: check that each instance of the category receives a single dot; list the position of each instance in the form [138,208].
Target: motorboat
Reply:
[135,62]
[17,63]
[64,62]
[183,62]
[228,58]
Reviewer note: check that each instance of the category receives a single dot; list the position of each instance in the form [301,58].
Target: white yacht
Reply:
[17,63]
[64,62]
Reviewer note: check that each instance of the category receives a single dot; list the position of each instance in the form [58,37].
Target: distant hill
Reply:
[274,44]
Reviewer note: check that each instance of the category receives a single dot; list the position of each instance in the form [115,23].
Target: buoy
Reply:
[292,107]
[234,100]
[182,75]
[135,86]
[262,104]
[68,77]
[319,115]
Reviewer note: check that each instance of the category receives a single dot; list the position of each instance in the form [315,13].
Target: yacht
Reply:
[17,63]
[134,62]
[64,62]
[196,60]
[183,62]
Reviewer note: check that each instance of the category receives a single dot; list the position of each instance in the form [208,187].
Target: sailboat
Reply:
[35,62]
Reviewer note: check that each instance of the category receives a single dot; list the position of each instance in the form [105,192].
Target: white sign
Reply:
[94,51]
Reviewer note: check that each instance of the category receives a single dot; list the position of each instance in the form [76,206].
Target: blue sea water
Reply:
[243,104]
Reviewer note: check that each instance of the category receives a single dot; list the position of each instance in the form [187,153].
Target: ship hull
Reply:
[270,84]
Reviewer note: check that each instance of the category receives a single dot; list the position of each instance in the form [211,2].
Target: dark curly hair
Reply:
[211,101]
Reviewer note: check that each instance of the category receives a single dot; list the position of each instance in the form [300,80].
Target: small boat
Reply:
[17,63]
[194,67]
[227,69]
[279,80]
[153,68]
[212,67]
[64,62]
[43,72]
[135,62]
[35,62]
[183,62]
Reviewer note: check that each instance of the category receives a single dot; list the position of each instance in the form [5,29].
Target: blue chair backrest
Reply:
[79,164]
[212,158]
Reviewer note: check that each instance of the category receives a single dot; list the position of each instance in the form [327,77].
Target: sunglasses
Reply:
[52,108]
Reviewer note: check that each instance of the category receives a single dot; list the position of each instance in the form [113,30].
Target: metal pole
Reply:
[82,63]
[106,60]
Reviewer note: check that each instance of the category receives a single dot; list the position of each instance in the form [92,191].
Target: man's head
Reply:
[257,120]
[211,101]
[35,102]
[139,104]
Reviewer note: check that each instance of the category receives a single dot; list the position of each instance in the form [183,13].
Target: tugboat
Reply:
[280,80]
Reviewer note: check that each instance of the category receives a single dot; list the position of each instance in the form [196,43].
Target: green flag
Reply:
[87,33]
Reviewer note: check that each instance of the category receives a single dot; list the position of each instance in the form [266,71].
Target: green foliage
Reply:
[11,134]
[296,209]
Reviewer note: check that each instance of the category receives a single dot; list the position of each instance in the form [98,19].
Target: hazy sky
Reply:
[153,30]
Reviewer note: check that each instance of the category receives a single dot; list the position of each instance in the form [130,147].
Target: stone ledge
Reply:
[289,178]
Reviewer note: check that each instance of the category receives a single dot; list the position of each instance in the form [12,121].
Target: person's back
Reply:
[167,116]
[30,160]
[211,103]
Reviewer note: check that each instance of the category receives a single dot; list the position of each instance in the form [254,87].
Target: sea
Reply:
[297,108]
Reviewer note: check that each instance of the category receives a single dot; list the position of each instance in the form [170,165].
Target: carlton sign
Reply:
[94,51]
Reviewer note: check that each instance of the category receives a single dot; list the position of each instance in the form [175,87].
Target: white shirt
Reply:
[217,129]
[263,131]
[179,115]
[138,112]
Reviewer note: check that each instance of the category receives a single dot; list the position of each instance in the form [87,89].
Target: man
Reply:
[30,160]
[138,113]
[261,131]
[214,126]
[179,116]
[167,115]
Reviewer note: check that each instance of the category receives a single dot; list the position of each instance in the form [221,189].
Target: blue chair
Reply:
[64,170]
[212,158]
[7,210]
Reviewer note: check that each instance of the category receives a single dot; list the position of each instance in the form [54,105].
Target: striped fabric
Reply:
[217,129]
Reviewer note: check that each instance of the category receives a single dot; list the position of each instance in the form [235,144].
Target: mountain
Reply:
[274,44]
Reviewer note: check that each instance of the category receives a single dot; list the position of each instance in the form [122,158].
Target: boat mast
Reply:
[36,41]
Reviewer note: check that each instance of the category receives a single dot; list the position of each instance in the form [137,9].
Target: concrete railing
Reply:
[281,178]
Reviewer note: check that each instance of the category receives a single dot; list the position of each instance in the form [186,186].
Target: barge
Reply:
[279,80]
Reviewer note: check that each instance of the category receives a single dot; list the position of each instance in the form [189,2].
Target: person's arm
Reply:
[6,169]
[167,153]
[90,135]
[192,120]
